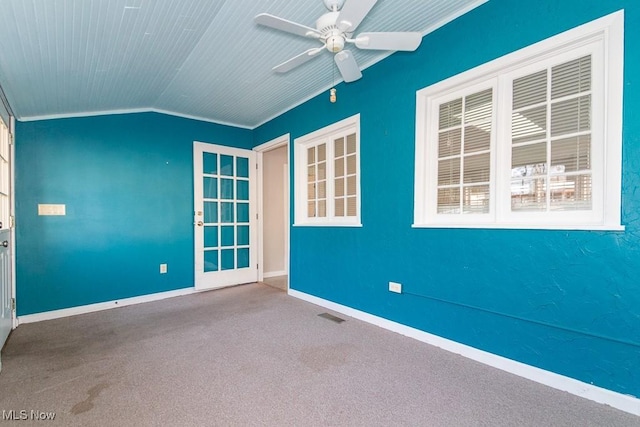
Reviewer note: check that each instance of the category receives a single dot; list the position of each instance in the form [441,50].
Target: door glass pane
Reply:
[210,212]
[211,261]
[226,189]
[242,165]
[211,236]
[210,186]
[226,212]
[228,238]
[243,235]
[226,165]
[210,163]
[243,212]
[242,189]
[243,258]
[228,259]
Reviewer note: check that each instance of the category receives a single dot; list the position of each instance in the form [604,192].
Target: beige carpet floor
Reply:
[253,356]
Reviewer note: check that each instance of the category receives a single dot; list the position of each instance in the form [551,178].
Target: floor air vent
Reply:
[331,317]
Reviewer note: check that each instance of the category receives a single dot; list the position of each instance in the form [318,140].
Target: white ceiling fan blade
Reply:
[348,66]
[284,25]
[389,41]
[297,60]
[352,14]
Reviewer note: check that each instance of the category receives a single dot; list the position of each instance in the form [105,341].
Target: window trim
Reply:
[609,31]
[314,138]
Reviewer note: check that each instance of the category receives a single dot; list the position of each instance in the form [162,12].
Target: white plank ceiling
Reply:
[204,59]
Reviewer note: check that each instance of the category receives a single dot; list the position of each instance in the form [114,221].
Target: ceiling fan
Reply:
[334,30]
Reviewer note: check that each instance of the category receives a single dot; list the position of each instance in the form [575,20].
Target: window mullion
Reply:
[548,141]
[331,178]
[462,159]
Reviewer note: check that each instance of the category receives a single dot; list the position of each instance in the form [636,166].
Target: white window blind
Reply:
[464,154]
[551,138]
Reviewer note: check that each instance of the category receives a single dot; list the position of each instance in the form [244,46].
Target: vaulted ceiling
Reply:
[204,59]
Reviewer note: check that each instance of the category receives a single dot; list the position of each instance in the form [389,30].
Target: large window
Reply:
[327,175]
[530,140]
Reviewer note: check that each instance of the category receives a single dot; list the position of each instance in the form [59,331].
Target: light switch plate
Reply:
[49,209]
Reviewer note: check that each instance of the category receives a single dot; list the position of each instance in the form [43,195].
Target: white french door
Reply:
[6,283]
[224,216]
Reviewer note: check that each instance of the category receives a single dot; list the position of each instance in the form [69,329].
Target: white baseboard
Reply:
[274,274]
[620,401]
[83,309]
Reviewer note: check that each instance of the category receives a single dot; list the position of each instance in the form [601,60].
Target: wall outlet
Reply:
[395,287]
[163,268]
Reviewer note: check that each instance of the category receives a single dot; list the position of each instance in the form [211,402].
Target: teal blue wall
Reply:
[127,182]
[565,301]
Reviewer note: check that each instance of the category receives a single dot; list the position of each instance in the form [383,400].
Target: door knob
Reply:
[200,223]
[5,243]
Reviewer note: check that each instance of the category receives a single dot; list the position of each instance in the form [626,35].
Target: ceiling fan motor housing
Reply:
[333,37]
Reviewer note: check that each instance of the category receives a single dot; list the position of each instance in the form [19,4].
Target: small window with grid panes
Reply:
[327,175]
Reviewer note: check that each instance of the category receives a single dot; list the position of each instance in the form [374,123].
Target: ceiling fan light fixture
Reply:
[335,43]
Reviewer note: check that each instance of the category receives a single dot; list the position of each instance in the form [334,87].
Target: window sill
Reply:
[526,226]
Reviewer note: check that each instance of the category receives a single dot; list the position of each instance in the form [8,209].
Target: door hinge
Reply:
[13,304]
[12,221]
[256,216]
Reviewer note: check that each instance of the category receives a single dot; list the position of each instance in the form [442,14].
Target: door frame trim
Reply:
[12,214]
[281,141]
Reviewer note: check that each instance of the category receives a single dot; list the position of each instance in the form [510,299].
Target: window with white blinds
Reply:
[327,164]
[551,139]
[534,140]
[464,154]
